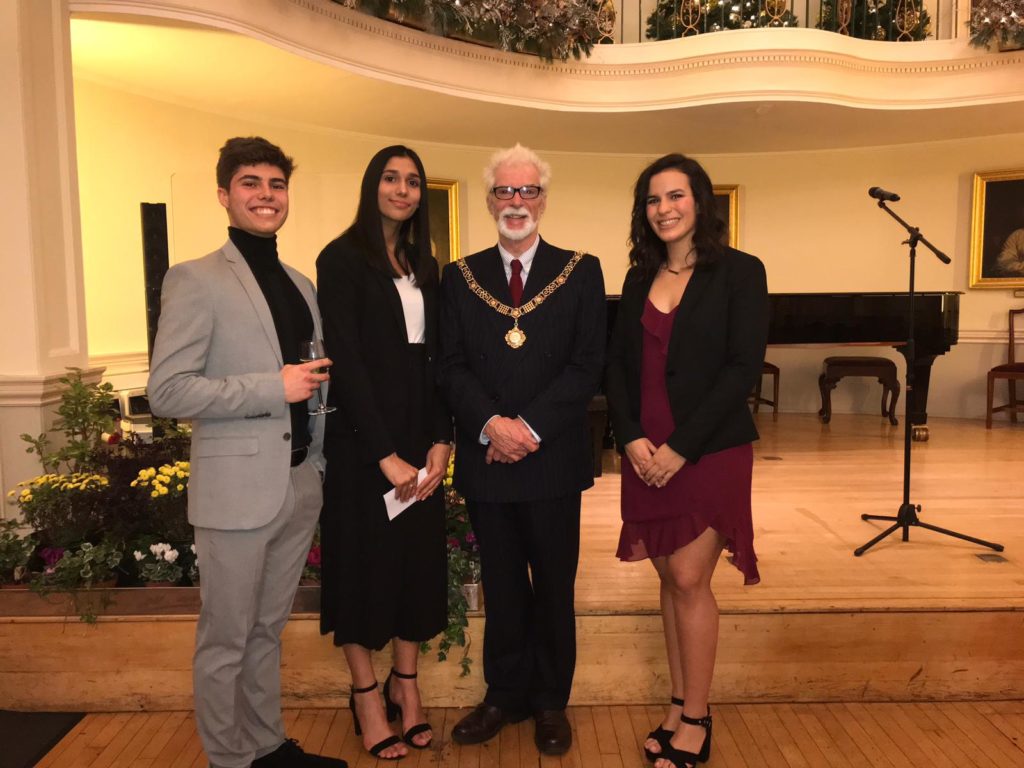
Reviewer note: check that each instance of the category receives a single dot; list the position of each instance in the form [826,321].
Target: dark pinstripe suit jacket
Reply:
[548,382]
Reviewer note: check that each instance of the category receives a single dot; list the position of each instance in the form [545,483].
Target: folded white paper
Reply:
[396,507]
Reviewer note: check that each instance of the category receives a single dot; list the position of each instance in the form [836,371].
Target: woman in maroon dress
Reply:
[687,349]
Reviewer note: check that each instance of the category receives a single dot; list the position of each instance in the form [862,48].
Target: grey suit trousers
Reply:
[248,583]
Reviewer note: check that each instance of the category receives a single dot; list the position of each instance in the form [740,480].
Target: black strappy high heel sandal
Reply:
[660,735]
[381,745]
[680,758]
[395,711]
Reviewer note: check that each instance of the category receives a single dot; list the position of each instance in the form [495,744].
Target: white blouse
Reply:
[412,308]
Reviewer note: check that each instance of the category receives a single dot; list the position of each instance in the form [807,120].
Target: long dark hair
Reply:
[414,233]
[647,250]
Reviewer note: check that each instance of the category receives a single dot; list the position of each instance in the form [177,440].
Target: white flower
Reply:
[193,548]
[171,555]
[139,556]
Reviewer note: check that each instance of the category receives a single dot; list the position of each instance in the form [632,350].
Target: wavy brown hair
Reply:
[646,249]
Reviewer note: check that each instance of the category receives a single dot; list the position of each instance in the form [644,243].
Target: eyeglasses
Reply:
[527,192]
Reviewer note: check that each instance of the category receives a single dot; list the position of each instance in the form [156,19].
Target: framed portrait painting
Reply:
[997,230]
[727,203]
[443,208]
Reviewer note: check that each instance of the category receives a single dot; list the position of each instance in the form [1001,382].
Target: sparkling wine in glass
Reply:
[311,350]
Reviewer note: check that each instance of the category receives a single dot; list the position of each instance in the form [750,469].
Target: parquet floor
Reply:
[922,735]
[812,483]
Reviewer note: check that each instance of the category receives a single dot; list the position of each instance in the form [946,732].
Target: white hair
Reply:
[517,155]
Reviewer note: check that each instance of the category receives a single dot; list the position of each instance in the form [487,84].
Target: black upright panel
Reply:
[155,262]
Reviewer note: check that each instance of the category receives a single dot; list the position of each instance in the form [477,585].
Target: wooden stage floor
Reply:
[920,735]
[812,482]
[903,657]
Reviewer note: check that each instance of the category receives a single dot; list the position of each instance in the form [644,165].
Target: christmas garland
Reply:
[551,29]
[683,18]
[1001,20]
[897,20]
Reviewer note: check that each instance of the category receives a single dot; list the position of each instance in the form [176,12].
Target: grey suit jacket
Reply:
[217,361]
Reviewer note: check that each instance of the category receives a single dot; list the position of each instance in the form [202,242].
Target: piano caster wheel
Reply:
[919,434]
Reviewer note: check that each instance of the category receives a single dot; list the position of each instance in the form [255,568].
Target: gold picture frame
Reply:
[727,201]
[443,208]
[997,230]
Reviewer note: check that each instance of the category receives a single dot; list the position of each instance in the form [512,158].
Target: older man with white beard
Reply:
[522,350]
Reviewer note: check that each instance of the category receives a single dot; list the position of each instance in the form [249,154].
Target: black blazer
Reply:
[548,382]
[366,337]
[715,356]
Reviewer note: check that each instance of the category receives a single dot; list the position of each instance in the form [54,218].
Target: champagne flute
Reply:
[311,350]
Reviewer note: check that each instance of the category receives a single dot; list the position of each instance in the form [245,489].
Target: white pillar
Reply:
[42,312]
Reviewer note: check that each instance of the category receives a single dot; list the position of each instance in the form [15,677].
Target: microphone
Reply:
[881,194]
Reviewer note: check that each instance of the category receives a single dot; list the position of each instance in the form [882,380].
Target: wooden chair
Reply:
[881,368]
[767,369]
[1013,372]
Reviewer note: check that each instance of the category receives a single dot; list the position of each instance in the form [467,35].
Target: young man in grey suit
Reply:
[227,357]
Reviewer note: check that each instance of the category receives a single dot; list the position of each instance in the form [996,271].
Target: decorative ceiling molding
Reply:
[737,66]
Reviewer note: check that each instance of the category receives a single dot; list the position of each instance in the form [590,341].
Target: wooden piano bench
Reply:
[883,369]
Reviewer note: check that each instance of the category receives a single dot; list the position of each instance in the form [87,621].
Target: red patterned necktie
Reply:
[515,284]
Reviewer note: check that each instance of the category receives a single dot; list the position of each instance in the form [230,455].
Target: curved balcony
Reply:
[622,98]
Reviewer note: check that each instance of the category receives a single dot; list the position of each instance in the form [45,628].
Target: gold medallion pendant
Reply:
[515,338]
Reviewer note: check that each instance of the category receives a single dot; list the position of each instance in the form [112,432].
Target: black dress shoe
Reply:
[554,734]
[290,755]
[483,724]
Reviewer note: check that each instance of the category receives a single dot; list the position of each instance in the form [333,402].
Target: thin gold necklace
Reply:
[667,268]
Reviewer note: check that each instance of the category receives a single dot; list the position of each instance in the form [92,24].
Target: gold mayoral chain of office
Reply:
[516,337]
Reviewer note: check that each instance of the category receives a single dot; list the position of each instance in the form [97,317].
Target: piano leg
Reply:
[917,396]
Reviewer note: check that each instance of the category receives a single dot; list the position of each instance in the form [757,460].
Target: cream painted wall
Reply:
[807,215]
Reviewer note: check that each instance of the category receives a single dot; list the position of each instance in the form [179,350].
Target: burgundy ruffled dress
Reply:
[714,491]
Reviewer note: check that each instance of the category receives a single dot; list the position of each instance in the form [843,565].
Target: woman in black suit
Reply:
[687,349]
[384,580]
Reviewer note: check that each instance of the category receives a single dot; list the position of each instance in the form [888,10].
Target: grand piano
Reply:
[866,318]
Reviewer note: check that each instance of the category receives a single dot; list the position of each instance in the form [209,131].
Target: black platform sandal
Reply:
[660,735]
[381,745]
[680,758]
[395,711]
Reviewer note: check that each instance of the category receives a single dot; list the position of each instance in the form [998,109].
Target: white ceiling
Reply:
[223,72]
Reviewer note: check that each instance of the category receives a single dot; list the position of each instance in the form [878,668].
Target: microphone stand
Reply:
[907,515]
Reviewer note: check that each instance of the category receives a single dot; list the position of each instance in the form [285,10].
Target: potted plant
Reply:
[464,590]
[65,508]
[83,567]
[86,566]
[158,565]
[86,417]
[15,551]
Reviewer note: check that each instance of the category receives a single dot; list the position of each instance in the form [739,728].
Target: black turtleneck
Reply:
[292,319]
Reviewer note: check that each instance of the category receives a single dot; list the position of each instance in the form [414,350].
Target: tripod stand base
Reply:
[907,517]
